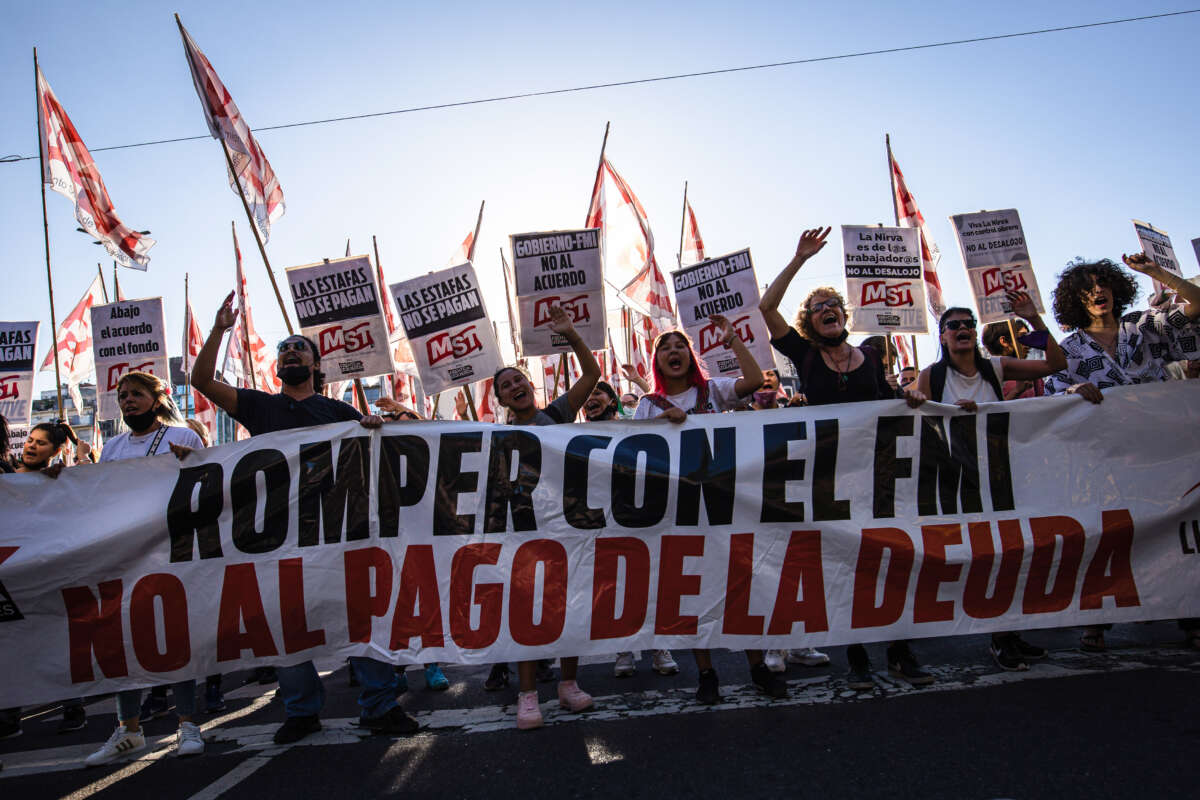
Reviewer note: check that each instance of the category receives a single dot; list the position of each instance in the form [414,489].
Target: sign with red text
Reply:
[1157,245]
[127,336]
[470,543]
[563,268]
[885,288]
[18,347]
[996,256]
[724,285]
[338,306]
[446,322]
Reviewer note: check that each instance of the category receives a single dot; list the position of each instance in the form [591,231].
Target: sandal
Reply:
[1092,642]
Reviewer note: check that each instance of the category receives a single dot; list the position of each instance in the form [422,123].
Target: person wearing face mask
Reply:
[299,405]
[601,404]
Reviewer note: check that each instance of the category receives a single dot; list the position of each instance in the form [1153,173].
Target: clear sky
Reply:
[1080,131]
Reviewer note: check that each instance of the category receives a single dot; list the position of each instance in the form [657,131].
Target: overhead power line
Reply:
[658,79]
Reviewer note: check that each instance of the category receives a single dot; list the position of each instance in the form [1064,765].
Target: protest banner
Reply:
[885,288]
[17,434]
[447,326]
[997,260]
[1157,245]
[1196,247]
[562,268]
[18,347]
[723,285]
[464,542]
[338,307]
[127,336]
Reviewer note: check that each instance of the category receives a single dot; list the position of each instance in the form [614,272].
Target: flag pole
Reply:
[116,282]
[471,412]
[512,326]
[887,143]
[599,166]
[682,226]
[257,237]
[37,94]
[475,236]
[103,288]
[247,354]
[187,347]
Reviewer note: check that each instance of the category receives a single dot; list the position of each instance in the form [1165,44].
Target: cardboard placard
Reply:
[562,268]
[885,288]
[127,336]
[18,348]
[997,259]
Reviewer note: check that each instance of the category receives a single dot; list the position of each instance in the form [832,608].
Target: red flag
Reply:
[464,252]
[628,241]
[649,290]
[693,243]
[193,340]
[260,187]
[483,396]
[70,171]
[257,361]
[73,343]
[903,353]
[909,216]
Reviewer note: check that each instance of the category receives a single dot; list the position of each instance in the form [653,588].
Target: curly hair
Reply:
[1070,311]
[803,321]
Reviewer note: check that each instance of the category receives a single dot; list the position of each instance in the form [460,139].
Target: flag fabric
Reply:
[257,361]
[260,187]
[903,353]
[73,343]
[193,340]
[464,252]
[649,290]
[70,171]
[693,243]
[909,216]
[628,241]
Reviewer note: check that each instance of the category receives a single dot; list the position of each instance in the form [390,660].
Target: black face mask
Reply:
[610,412]
[295,374]
[139,422]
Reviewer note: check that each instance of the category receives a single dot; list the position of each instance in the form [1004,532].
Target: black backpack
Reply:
[937,378]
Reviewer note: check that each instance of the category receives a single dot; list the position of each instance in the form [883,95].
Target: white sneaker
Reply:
[664,663]
[189,742]
[808,656]
[624,666]
[774,660]
[122,743]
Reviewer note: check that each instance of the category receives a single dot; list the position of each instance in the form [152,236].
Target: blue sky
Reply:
[1080,131]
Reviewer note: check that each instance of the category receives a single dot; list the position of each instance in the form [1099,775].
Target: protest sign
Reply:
[562,268]
[723,285]
[996,256]
[17,434]
[446,322]
[18,347]
[1157,245]
[127,336]
[463,542]
[885,290]
[337,305]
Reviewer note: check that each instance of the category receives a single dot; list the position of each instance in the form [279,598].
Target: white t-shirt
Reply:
[960,387]
[721,397]
[126,445]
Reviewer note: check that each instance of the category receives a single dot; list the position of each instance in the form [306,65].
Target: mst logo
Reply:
[1002,280]
[452,344]
[350,340]
[117,370]
[710,334]
[895,294]
[576,308]
[9,388]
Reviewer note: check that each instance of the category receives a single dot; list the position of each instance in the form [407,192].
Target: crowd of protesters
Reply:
[1108,344]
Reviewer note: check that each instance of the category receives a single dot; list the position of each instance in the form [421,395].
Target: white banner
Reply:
[18,349]
[562,268]
[997,259]
[471,543]
[127,336]
[1157,245]
[337,305]
[17,434]
[885,287]
[447,326]
[723,285]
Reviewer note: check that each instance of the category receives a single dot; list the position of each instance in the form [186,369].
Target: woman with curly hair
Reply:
[1108,347]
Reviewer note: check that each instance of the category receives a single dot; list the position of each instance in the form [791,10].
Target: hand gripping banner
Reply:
[476,543]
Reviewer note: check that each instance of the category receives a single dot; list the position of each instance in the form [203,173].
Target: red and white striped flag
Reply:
[73,343]
[693,243]
[628,241]
[485,402]
[649,290]
[70,171]
[257,360]
[903,353]
[909,216]
[193,340]
[465,251]
[260,187]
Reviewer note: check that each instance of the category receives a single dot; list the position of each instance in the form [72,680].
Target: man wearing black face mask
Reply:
[298,405]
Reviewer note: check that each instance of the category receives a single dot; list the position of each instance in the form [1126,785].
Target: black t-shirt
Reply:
[823,385]
[262,412]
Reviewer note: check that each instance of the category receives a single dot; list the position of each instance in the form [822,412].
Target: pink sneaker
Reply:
[572,698]
[529,716]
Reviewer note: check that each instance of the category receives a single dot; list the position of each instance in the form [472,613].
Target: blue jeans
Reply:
[129,702]
[303,694]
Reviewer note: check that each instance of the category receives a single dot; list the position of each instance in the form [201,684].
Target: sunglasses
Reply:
[831,303]
[955,324]
[298,346]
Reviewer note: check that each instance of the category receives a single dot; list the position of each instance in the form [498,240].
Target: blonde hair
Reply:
[803,321]
[201,431]
[164,407]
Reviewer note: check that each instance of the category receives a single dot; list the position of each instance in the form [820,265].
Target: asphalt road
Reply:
[1120,724]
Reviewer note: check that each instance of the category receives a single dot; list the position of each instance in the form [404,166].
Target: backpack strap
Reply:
[937,380]
[701,406]
[989,374]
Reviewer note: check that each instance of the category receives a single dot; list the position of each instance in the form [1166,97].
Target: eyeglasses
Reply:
[831,303]
[955,324]
[299,346]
